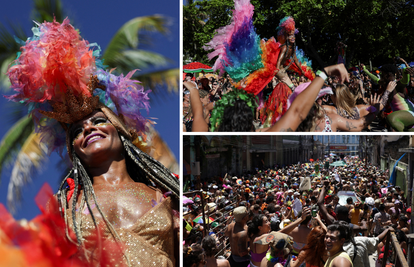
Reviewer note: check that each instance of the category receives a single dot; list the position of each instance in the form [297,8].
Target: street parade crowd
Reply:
[351,101]
[269,85]
[310,214]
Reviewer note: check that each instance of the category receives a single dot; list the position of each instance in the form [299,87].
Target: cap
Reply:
[284,223]
[239,213]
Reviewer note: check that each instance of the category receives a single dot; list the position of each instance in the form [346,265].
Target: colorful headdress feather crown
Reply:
[60,76]
[287,24]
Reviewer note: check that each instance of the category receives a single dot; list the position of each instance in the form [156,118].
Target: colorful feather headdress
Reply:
[286,25]
[241,53]
[60,76]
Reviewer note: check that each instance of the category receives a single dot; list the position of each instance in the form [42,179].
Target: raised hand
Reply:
[338,70]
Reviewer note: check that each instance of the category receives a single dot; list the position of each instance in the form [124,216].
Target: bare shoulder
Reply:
[341,262]
[223,263]
[229,229]
[329,109]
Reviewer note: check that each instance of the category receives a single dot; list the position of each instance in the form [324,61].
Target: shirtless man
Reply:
[237,233]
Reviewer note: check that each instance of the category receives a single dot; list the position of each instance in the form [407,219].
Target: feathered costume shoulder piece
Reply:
[61,77]
[241,53]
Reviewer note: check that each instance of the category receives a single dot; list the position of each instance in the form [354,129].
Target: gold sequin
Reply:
[149,241]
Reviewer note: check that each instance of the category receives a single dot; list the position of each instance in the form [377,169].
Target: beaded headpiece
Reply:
[60,76]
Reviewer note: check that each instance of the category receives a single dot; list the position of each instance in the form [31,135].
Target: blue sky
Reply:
[98,21]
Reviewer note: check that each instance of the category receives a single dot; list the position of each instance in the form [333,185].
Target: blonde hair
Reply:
[345,100]
[316,113]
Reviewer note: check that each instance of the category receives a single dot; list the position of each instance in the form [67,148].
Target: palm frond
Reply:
[156,80]
[128,60]
[5,84]
[161,151]
[8,51]
[30,159]
[127,37]
[14,139]
[47,10]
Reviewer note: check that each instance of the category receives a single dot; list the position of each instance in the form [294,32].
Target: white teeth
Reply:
[92,139]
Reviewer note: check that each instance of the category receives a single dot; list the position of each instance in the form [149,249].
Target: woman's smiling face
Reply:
[95,138]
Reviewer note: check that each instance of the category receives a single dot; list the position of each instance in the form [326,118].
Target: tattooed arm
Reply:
[347,125]
[385,97]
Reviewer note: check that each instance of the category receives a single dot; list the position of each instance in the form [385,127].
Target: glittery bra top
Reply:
[149,242]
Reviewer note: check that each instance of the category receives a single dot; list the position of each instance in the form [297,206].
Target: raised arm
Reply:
[199,124]
[374,78]
[304,101]
[318,219]
[357,125]
[321,199]
[289,228]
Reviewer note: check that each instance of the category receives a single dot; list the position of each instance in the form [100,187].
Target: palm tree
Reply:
[122,53]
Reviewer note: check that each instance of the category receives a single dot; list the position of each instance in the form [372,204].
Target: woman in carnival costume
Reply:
[252,62]
[277,103]
[113,193]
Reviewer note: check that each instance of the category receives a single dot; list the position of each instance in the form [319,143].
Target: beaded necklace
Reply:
[270,258]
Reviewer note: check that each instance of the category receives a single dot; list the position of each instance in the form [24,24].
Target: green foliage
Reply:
[47,10]
[123,54]
[228,100]
[14,139]
[372,29]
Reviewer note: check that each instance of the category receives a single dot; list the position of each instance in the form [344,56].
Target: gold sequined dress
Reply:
[149,242]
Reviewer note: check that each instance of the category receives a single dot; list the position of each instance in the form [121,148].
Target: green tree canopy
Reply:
[372,29]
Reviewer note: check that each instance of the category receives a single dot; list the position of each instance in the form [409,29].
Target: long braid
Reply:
[59,193]
[85,199]
[75,195]
[62,202]
[151,168]
[88,190]
[156,172]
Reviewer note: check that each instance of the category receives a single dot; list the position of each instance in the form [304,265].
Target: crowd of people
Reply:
[393,88]
[268,85]
[311,214]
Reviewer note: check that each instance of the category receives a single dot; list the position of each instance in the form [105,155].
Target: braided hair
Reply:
[146,170]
